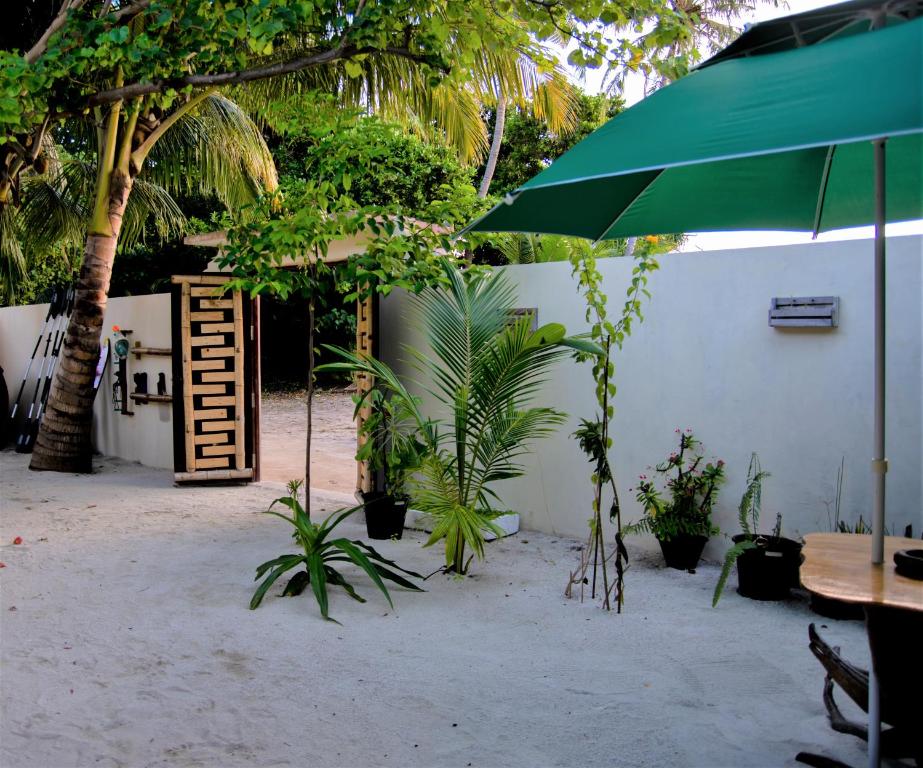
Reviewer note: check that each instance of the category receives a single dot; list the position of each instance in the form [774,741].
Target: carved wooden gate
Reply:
[213,424]
[366,345]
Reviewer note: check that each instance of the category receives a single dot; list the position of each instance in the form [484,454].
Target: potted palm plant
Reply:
[767,566]
[682,524]
[486,371]
[393,449]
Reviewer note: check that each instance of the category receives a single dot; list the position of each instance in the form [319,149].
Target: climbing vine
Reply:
[594,436]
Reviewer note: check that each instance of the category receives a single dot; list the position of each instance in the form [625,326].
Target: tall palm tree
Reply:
[549,97]
[142,141]
[211,147]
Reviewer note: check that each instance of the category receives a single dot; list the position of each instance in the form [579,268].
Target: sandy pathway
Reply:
[126,641]
[283,423]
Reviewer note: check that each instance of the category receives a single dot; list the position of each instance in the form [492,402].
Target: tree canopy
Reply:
[376,162]
[529,145]
[162,92]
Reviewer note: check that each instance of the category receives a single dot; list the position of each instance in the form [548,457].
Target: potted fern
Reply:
[682,524]
[767,566]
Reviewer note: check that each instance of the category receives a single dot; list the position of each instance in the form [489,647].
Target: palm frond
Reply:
[518,247]
[150,205]
[400,91]
[216,149]
[460,321]
[12,261]
[56,209]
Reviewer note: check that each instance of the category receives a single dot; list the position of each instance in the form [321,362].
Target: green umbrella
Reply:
[776,141]
[784,129]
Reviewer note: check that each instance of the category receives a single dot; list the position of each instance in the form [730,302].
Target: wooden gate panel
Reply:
[366,321]
[211,416]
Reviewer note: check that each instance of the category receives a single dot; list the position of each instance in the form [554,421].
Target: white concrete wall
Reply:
[147,436]
[706,358]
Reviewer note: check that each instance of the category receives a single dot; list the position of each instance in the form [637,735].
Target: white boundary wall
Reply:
[706,358]
[146,437]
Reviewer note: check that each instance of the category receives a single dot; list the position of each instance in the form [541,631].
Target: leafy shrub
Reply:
[692,488]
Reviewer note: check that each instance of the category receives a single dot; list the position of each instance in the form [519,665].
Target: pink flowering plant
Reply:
[684,508]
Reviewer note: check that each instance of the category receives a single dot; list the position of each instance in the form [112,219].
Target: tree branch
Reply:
[38,49]
[338,53]
[129,11]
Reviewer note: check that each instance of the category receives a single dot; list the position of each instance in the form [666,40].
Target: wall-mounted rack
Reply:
[138,350]
[805,312]
[143,397]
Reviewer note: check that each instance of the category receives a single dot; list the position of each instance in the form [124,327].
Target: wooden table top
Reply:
[839,565]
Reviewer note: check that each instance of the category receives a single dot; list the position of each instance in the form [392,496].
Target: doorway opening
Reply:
[283,411]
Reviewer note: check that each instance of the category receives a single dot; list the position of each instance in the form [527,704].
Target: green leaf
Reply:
[267,583]
[373,554]
[729,559]
[354,554]
[551,333]
[319,584]
[296,584]
[335,578]
[289,560]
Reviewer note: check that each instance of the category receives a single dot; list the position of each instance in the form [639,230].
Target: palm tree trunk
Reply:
[63,442]
[458,557]
[495,141]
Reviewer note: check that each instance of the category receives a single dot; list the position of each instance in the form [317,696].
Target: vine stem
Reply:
[583,265]
[599,482]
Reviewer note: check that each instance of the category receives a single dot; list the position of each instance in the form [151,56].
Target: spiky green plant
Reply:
[748,514]
[319,552]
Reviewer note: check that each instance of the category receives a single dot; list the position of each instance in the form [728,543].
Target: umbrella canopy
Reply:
[751,140]
[817,26]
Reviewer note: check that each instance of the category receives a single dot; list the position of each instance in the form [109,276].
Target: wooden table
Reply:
[839,566]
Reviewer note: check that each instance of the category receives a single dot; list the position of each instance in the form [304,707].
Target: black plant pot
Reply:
[683,552]
[770,571]
[384,515]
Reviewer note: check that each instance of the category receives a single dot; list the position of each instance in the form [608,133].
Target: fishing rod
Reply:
[54,309]
[46,389]
[30,424]
[20,439]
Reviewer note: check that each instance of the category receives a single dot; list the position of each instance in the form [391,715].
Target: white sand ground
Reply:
[127,641]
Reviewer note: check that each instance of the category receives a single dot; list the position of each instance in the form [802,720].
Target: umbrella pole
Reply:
[879,463]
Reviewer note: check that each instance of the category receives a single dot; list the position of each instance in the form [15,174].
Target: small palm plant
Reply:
[486,370]
[319,552]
